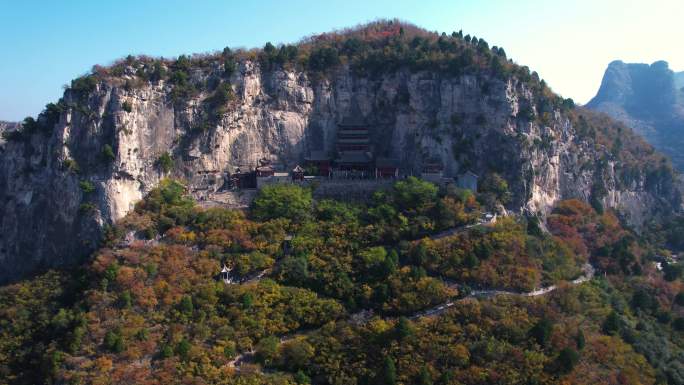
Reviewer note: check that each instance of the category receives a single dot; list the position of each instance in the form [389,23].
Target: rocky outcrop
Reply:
[679,80]
[111,138]
[7,127]
[649,99]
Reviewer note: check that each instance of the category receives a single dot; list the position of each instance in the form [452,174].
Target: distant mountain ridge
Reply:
[679,79]
[650,99]
[8,125]
[679,83]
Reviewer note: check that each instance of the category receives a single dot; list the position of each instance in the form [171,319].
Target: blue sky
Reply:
[47,43]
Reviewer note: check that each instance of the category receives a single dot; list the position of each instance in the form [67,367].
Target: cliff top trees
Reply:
[374,48]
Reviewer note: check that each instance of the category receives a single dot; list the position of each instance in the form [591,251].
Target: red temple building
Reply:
[265,168]
[319,161]
[353,138]
[354,161]
[433,166]
[353,145]
[241,179]
[263,171]
[386,168]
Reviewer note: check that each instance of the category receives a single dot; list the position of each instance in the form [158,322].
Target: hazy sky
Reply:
[47,43]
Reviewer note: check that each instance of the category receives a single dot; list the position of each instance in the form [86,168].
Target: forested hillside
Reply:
[327,292]
[564,267]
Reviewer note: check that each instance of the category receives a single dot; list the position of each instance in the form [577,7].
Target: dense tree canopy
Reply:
[282,201]
[339,304]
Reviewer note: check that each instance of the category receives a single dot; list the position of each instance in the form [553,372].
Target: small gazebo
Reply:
[225,274]
[298,173]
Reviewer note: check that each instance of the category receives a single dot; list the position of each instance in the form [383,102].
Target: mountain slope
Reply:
[679,84]
[679,79]
[327,292]
[86,160]
[648,98]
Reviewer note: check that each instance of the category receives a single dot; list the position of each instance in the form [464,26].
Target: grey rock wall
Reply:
[469,122]
[650,100]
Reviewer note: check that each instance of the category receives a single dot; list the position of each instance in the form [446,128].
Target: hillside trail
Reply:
[434,311]
[587,269]
[364,315]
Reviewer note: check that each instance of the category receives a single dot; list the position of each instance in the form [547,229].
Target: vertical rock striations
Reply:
[100,152]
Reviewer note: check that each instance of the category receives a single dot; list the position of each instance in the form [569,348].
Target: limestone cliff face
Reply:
[650,100]
[469,122]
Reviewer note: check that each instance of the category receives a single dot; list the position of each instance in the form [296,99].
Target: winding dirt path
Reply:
[364,315]
[588,270]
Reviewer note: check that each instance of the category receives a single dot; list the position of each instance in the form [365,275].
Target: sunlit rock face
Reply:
[650,100]
[467,122]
